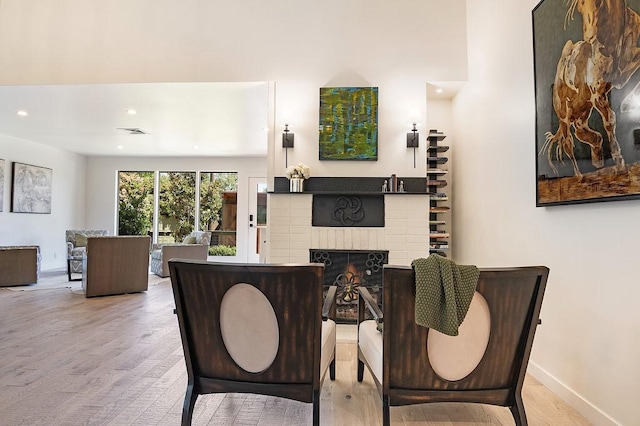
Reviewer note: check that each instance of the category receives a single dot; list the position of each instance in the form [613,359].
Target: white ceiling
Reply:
[182,119]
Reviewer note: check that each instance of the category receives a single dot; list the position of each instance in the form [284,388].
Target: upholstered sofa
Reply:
[76,247]
[194,246]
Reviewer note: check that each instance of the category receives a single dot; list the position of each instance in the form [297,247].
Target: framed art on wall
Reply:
[348,123]
[1,184]
[31,189]
[587,92]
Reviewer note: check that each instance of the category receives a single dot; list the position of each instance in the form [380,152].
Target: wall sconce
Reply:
[287,142]
[413,142]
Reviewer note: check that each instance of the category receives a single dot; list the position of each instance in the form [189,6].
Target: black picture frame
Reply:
[591,73]
[31,188]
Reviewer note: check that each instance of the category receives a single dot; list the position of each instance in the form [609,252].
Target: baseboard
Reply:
[584,407]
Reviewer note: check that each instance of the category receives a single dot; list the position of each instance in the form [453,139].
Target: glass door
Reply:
[257,237]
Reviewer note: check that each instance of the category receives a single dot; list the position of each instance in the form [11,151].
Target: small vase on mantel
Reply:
[296,184]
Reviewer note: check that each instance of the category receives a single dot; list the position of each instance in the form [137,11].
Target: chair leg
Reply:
[386,417]
[69,271]
[517,410]
[316,408]
[360,370]
[187,408]
[332,367]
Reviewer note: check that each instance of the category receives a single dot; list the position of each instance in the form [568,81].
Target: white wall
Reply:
[67,200]
[588,346]
[102,195]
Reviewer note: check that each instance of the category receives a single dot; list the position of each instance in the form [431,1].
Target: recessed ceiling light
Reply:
[131,112]
[120,147]
[438,90]
[196,147]
[22,113]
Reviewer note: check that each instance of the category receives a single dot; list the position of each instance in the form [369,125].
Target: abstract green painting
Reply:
[348,123]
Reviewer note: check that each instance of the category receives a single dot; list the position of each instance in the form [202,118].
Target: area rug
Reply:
[46,286]
[60,280]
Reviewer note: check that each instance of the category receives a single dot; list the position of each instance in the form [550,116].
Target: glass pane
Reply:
[218,211]
[135,203]
[176,206]
[261,213]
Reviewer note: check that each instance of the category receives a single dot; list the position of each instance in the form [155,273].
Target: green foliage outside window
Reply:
[212,186]
[135,203]
[177,203]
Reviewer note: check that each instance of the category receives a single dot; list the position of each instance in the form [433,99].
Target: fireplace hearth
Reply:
[348,270]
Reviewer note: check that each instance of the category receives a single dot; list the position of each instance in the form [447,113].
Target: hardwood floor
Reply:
[117,360]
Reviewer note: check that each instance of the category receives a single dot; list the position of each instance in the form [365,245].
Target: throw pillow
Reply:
[81,240]
[189,239]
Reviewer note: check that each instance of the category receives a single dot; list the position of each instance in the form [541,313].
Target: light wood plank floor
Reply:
[68,360]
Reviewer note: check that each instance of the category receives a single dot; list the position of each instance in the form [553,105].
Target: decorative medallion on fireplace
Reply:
[348,270]
[347,210]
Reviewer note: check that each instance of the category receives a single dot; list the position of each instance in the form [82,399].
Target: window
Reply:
[177,209]
[135,203]
[176,206]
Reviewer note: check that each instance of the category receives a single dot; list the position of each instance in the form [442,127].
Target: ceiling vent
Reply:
[133,130]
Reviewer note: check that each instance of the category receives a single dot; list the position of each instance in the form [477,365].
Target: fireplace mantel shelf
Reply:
[348,193]
[351,186]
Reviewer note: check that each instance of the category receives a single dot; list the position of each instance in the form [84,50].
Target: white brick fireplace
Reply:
[290,235]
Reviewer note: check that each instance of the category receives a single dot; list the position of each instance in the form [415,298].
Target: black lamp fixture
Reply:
[413,142]
[287,142]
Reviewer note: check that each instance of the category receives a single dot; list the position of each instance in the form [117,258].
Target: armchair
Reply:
[254,328]
[485,363]
[194,246]
[116,265]
[76,247]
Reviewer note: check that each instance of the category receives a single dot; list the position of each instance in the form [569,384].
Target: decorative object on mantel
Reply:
[31,189]
[287,142]
[296,175]
[348,123]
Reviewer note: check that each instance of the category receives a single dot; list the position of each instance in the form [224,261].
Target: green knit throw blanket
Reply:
[443,292]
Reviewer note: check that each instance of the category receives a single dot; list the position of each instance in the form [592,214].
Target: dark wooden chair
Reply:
[254,328]
[485,363]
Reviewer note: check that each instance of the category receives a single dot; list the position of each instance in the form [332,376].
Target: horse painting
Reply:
[587,71]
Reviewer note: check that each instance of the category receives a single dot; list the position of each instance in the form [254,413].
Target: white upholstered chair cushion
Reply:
[249,328]
[453,358]
[328,344]
[248,321]
[370,344]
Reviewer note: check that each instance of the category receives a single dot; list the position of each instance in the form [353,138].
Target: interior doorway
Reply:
[257,237]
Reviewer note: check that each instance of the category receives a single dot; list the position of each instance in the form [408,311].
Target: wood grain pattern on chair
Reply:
[18,265]
[116,265]
[295,292]
[514,297]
